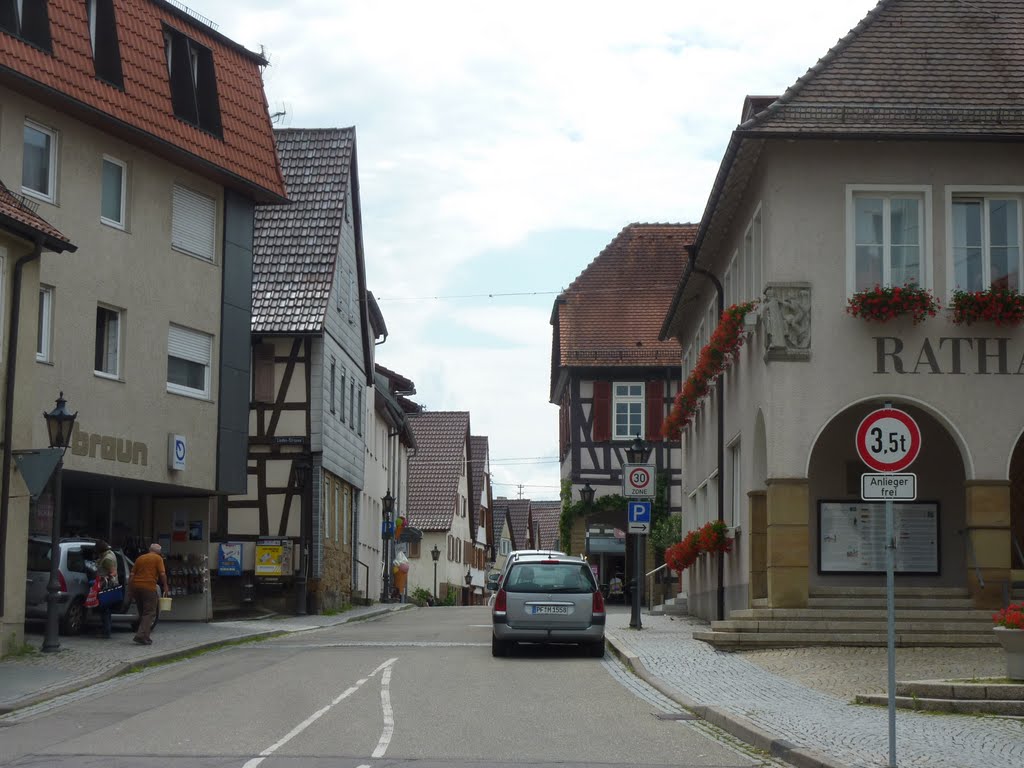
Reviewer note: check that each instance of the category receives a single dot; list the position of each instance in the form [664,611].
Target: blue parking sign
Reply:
[639,511]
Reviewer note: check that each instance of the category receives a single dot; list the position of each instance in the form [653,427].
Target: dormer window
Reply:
[193,81]
[106,52]
[29,20]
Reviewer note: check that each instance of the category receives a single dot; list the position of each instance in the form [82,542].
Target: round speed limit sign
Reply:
[888,440]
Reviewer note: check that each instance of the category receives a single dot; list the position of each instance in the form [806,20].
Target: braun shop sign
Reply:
[108,447]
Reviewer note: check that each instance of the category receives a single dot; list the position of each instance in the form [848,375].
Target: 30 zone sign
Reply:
[638,481]
[888,440]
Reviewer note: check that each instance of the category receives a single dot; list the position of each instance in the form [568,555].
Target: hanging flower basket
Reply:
[996,305]
[717,355]
[710,539]
[883,304]
[714,537]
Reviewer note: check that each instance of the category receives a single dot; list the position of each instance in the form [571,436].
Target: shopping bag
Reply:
[111,597]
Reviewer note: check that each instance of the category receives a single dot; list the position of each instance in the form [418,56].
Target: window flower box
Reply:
[881,304]
[1001,306]
[1009,630]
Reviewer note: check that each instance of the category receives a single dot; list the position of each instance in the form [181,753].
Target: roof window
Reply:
[193,81]
[29,20]
[106,52]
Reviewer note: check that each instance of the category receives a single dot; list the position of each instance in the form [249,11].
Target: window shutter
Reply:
[193,222]
[189,345]
[602,411]
[655,407]
[264,373]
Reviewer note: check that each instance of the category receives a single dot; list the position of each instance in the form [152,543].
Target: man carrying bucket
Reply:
[148,569]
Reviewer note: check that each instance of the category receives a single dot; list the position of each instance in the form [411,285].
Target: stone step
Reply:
[957,706]
[861,614]
[736,641]
[956,689]
[759,602]
[880,602]
[851,626]
[844,591]
[674,606]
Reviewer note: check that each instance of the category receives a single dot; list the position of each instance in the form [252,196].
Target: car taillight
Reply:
[598,606]
[63,584]
[500,602]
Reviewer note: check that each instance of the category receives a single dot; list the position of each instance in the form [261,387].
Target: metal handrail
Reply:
[661,567]
[649,583]
[367,595]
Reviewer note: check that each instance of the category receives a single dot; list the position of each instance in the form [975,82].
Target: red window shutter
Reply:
[655,408]
[602,411]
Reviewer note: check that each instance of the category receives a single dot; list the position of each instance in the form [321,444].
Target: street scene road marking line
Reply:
[389,714]
[254,762]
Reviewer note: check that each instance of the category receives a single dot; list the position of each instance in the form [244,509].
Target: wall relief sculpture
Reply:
[787,316]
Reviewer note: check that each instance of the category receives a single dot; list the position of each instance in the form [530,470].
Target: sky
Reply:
[502,145]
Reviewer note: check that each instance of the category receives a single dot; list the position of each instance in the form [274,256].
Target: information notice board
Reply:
[851,536]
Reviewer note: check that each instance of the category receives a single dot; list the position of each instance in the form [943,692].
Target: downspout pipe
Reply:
[720,412]
[12,362]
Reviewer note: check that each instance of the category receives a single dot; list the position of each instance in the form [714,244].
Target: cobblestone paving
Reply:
[816,720]
[845,672]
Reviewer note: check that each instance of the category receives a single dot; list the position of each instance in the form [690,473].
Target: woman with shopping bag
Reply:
[105,590]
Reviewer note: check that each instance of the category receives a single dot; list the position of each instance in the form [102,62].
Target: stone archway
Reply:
[834,471]
[1017,507]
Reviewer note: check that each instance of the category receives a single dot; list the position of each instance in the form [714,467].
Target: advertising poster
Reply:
[229,559]
[852,537]
[179,529]
[195,530]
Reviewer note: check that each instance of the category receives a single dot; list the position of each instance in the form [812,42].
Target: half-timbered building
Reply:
[481,506]
[312,352]
[142,134]
[438,505]
[612,378]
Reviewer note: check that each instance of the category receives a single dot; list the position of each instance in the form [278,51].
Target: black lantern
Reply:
[436,554]
[387,504]
[469,578]
[638,451]
[587,495]
[59,423]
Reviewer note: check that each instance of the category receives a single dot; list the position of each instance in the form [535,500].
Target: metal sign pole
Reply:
[890,599]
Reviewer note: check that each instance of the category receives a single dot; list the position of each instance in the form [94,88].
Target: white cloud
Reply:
[480,123]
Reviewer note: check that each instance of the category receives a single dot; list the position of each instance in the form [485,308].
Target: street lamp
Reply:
[637,453]
[301,471]
[388,507]
[59,423]
[587,495]
[436,554]
[468,578]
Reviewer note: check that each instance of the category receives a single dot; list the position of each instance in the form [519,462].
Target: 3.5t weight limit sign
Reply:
[638,481]
[888,440]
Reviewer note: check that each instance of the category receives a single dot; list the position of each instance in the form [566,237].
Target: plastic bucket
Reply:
[165,604]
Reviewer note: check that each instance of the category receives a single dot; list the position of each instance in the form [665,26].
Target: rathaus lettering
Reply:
[110,448]
[951,354]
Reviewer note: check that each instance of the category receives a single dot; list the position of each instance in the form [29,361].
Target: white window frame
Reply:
[199,342]
[118,223]
[924,191]
[119,322]
[333,376]
[629,400]
[44,340]
[756,233]
[191,213]
[985,193]
[50,195]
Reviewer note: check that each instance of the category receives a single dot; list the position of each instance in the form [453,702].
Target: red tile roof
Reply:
[442,440]
[612,313]
[519,522]
[142,112]
[917,67]
[546,515]
[18,216]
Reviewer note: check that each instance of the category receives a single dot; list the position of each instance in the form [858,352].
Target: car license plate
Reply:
[557,609]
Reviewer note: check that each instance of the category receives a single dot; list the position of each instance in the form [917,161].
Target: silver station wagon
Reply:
[547,598]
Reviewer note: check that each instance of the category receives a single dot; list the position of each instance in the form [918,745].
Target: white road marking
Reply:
[386,666]
[389,715]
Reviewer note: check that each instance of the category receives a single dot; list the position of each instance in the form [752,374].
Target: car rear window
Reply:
[39,556]
[550,577]
[76,560]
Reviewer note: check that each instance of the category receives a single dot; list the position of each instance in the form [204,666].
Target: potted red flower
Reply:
[1009,629]
[1001,306]
[714,537]
[881,304]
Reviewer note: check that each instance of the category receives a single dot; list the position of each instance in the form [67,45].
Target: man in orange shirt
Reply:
[148,569]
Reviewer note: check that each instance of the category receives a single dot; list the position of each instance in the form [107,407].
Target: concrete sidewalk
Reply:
[793,703]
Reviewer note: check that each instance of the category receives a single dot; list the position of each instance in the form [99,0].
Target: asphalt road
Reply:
[416,688]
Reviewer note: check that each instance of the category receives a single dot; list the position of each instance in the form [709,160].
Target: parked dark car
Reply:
[76,573]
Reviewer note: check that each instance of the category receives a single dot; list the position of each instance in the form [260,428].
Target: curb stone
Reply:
[729,722]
